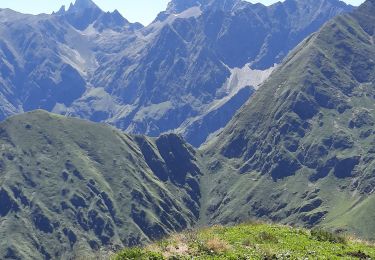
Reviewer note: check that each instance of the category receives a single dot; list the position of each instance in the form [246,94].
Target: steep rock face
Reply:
[307,134]
[165,77]
[69,187]
[82,13]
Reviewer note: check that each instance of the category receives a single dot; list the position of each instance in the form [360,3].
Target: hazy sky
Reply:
[143,11]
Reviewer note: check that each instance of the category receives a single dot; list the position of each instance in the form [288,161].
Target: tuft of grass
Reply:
[247,242]
[267,237]
[326,236]
[217,246]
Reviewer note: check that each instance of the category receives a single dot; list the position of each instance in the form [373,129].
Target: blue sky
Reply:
[143,11]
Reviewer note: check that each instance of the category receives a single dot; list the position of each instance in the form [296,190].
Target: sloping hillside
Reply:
[253,241]
[69,187]
[302,151]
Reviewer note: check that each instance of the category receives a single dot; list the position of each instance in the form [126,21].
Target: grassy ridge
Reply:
[253,241]
[79,187]
[304,144]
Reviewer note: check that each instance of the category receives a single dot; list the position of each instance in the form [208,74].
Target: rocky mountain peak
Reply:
[62,10]
[80,5]
[365,14]
[177,6]
[85,12]
[81,14]
[115,21]
[368,7]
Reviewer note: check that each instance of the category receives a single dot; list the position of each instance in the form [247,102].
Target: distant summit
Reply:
[365,16]
[82,5]
[83,13]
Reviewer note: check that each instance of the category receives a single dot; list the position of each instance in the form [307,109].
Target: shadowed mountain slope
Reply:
[69,187]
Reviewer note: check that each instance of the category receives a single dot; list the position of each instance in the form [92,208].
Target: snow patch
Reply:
[73,58]
[245,76]
[238,79]
[77,52]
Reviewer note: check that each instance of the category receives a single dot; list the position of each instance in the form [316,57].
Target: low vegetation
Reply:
[253,241]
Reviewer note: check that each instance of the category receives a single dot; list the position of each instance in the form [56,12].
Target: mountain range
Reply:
[299,152]
[187,72]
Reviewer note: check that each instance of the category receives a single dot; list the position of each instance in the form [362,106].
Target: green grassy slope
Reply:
[302,149]
[69,187]
[300,152]
[252,241]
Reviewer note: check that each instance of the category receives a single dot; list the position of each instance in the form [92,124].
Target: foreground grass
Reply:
[253,241]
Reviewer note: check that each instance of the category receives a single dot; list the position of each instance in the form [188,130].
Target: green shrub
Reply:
[326,236]
[137,253]
[267,237]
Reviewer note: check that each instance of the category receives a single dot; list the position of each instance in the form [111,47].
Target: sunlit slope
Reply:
[302,151]
[253,241]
